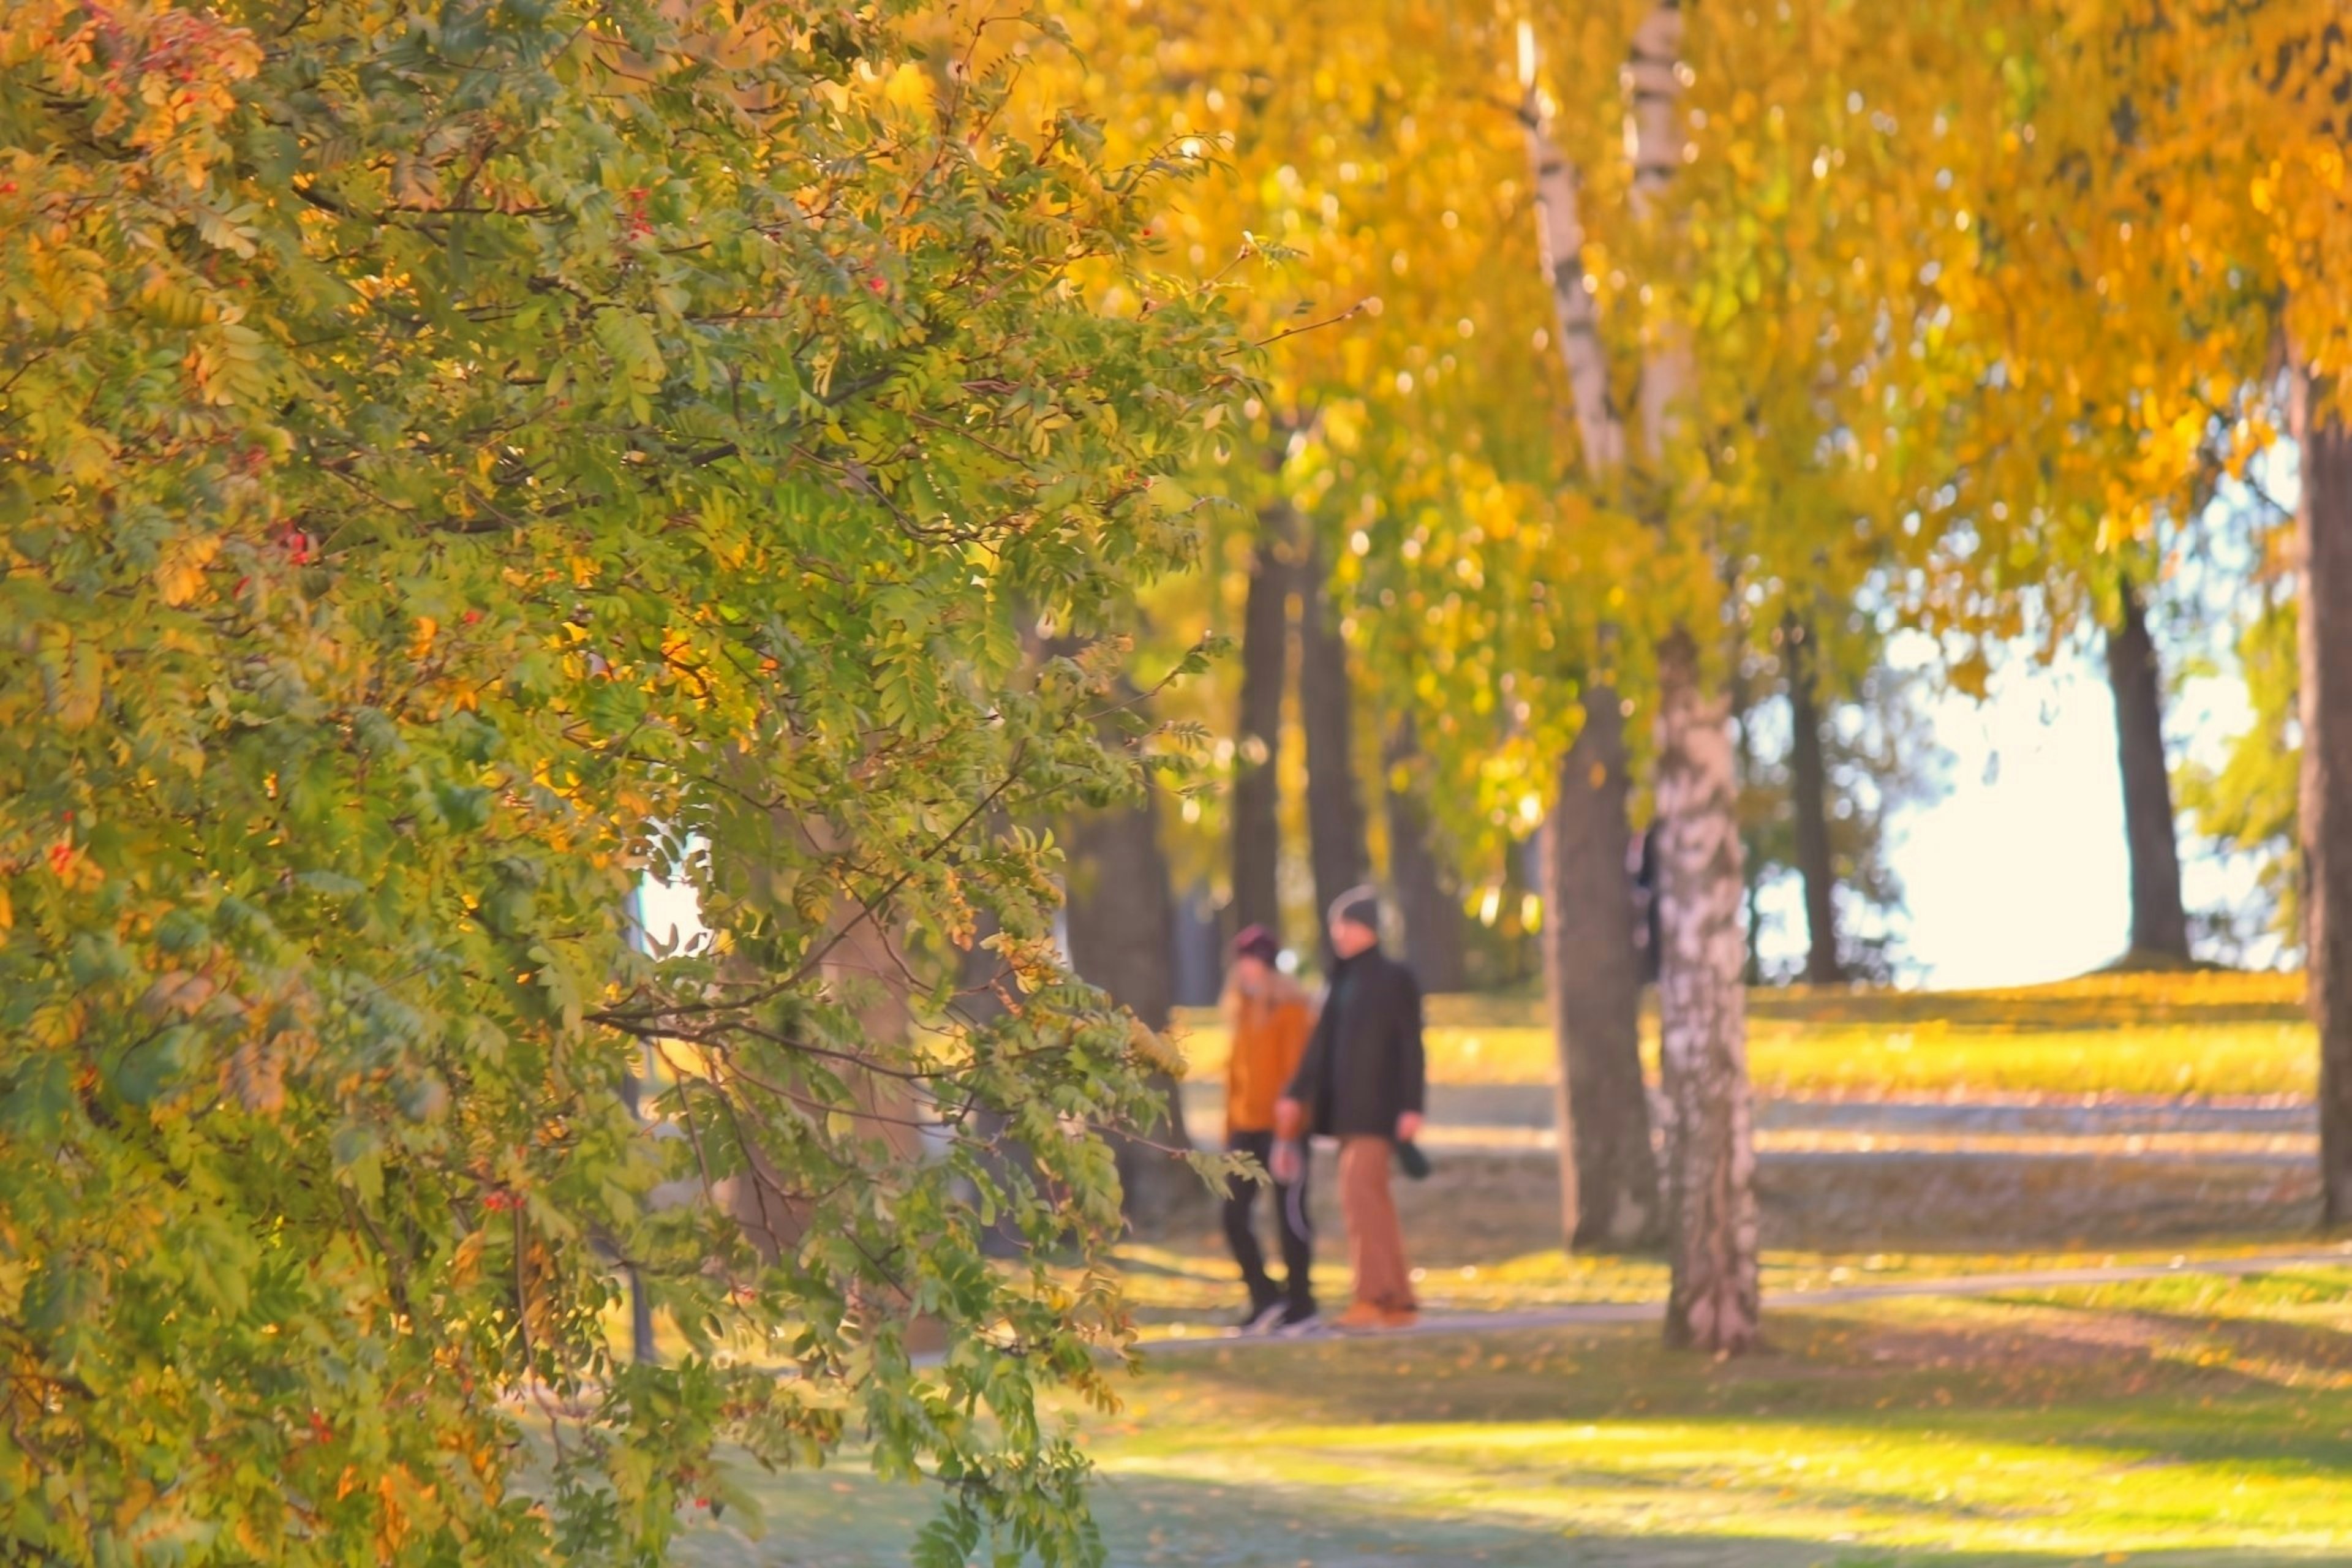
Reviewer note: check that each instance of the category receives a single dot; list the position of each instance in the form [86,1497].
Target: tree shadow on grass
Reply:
[2017,1353]
[1276,1455]
[839,1520]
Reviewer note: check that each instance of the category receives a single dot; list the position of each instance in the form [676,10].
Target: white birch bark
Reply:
[1560,238]
[1710,1160]
[1703,1020]
[1653,82]
[1608,1176]
[1703,1023]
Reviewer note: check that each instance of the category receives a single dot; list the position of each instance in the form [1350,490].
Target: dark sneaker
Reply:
[1258,1319]
[1296,1319]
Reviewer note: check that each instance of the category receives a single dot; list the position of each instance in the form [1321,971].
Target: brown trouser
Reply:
[1375,1242]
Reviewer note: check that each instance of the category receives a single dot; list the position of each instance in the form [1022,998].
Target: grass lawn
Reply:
[2185,1420]
[2190,1033]
[2178,1421]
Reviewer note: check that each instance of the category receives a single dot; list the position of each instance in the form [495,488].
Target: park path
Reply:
[1599,1312]
[1515,1119]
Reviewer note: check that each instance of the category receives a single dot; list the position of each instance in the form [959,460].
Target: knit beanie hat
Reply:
[1257,941]
[1359,906]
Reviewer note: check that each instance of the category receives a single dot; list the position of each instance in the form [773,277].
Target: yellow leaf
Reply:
[909,88]
[180,577]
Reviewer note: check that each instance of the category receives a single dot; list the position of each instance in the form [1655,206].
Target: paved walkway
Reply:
[1596,1313]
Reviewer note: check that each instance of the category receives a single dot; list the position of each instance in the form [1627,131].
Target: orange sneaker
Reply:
[1404,1319]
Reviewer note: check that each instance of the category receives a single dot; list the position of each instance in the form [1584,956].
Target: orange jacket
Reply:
[1269,1035]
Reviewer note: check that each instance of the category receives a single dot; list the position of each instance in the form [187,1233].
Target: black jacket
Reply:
[1364,1066]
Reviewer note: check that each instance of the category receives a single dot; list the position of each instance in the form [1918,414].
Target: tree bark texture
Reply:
[866,967]
[2159,924]
[1608,1174]
[1433,935]
[1326,702]
[1713,1302]
[1710,1160]
[1199,957]
[1609,1194]
[1256,797]
[1560,238]
[1809,801]
[1743,731]
[2323,532]
[1122,937]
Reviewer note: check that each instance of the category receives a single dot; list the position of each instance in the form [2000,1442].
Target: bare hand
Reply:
[1289,1119]
[1409,1127]
[1287,1164]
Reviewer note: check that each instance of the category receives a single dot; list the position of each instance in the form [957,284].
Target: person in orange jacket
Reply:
[1270,1018]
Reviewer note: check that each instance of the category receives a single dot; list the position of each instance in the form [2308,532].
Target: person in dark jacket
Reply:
[1362,1081]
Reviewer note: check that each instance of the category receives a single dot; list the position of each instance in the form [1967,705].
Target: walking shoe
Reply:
[1257,1318]
[1404,1319]
[1362,1317]
[1298,1317]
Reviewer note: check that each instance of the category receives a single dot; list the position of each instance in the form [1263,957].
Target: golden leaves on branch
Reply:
[180,575]
[256,1074]
[176,992]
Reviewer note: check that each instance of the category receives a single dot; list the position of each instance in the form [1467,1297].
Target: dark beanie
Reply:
[1359,906]
[1257,941]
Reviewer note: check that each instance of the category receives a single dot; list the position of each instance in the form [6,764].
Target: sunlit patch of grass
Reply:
[1932,1058]
[2207,1034]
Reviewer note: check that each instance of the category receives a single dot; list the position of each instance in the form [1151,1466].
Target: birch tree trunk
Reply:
[1714,1301]
[1256,797]
[1607,1173]
[2324,534]
[2159,924]
[1559,240]
[1326,711]
[1808,800]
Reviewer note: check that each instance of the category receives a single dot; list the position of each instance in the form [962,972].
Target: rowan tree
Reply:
[458,462]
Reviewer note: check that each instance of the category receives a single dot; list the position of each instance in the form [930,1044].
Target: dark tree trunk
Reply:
[1607,1174]
[1335,810]
[1713,1301]
[1122,916]
[1256,797]
[2324,529]
[1199,963]
[2159,925]
[984,981]
[1434,934]
[1808,800]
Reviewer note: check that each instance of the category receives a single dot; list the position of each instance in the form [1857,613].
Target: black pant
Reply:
[1290,1220]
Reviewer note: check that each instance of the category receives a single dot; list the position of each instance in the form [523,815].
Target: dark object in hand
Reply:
[1412,1162]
